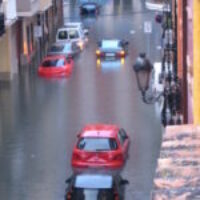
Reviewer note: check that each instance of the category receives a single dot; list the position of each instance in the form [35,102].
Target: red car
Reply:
[101,145]
[56,66]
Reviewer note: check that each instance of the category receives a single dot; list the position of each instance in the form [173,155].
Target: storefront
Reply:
[8,50]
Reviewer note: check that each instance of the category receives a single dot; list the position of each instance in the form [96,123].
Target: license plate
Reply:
[110,54]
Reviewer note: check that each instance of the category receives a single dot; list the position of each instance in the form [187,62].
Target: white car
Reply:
[73,32]
[78,25]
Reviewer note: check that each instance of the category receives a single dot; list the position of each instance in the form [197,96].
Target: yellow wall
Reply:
[196,59]
[4,54]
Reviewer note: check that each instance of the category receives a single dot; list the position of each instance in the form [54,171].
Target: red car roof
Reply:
[100,130]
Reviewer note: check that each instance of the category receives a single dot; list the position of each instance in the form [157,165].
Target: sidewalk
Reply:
[178,172]
[156,5]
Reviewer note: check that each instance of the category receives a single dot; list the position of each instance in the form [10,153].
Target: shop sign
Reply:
[37,31]
[147,27]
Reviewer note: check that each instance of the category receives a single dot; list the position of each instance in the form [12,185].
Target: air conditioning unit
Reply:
[2,24]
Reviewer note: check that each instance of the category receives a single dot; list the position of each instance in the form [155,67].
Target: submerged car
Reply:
[78,25]
[68,49]
[101,146]
[95,187]
[112,48]
[89,8]
[71,33]
[56,66]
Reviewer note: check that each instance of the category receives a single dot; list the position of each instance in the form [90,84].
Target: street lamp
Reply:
[143,69]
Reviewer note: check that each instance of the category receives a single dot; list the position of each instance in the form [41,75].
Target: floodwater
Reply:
[40,118]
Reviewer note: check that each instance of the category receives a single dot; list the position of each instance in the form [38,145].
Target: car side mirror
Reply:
[86,32]
[68,180]
[69,60]
[125,43]
[124,182]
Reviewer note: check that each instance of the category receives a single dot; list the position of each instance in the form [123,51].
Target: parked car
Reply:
[73,32]
[112,48]
[78,25]
[95,187]
[89,8]
[56,66]
[101,146]
[67,49]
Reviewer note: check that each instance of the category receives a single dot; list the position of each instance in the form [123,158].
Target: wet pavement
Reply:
[40,118]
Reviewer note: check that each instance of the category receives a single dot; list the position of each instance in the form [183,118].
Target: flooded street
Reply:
[40,118]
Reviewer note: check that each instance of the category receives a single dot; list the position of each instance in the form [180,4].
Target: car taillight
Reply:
[69,196]
[118,157]
[121,53]
[98,52]
[116,195]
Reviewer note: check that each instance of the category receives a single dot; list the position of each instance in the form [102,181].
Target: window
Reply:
[63,35]
[53,63]
[110,44]
[73,34]
[97,144]
[68,47]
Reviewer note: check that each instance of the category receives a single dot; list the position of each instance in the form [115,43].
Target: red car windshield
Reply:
[53,63]
[97,144]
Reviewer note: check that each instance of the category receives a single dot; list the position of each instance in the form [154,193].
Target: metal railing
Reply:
[172,111]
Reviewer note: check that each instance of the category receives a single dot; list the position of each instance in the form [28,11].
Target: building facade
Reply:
[188,32]
[37,30]
[30,29]
[8,51]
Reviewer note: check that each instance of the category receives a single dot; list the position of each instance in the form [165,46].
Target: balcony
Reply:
[27,8]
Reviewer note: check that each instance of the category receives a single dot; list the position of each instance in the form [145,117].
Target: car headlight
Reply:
[98,52]
[80,44]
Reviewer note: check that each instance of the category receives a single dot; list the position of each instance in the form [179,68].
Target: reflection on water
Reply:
[107,65]
[89,21]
